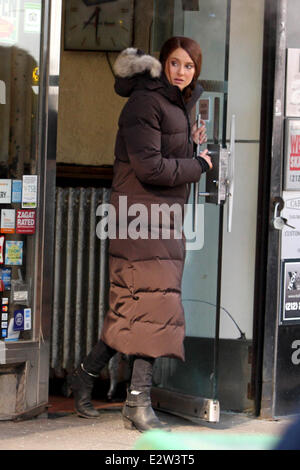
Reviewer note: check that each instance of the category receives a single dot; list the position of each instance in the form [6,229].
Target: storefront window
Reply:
[20,32]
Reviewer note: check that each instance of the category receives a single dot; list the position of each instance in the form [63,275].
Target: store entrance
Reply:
[80,273]
[67,131]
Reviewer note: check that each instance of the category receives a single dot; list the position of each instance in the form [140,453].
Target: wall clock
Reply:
[98,25]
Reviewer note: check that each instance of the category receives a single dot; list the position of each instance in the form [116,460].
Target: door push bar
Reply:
[220,179]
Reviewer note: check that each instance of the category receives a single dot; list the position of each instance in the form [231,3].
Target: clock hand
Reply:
[97,23]
[94,14]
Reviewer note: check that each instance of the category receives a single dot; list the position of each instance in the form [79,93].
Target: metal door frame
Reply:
[267,278]
[30,359]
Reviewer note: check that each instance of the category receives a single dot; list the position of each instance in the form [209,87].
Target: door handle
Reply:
[231,168]
[220,180]
[278,221]
[196,186]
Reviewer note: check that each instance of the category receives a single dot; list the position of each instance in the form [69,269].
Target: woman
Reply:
[154,165]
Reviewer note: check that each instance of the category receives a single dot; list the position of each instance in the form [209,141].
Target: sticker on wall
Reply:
[290,239]
[2,92]
[22,319]
[292,101]
[292,155]
[20,292]
[20,297]
[2,240]
[290,311]
[18,320]
[27,319]
[5,191]
[16,193]
[32,17]
[25,221]
[9,21]
[14,253]
[4,333]
[29,192]
[8,217]
[5,278]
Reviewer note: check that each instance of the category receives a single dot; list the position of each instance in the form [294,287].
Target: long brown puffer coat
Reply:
[153,165]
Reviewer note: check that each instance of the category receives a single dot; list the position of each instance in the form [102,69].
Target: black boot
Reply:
[138,413]
[82,385]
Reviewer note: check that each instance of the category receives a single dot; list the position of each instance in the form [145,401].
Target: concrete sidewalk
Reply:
[66,431]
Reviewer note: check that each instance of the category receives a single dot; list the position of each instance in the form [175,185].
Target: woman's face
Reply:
[180,68]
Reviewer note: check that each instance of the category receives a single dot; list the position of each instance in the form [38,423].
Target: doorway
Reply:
[218,292]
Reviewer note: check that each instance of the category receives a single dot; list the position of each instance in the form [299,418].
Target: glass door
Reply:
[27,182]
[190,388]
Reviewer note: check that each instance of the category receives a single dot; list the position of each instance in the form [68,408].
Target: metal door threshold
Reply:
[193,408]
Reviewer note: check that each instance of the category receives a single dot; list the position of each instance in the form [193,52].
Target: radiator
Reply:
[80,277]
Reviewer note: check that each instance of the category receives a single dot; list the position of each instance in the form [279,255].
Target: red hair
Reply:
[192,48]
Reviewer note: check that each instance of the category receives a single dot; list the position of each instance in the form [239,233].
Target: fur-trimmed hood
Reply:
[133,61]
[136,70]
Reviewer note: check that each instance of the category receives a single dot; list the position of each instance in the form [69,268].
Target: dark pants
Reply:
[99,356]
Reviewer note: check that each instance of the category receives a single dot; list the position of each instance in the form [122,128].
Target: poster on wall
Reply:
[292,102]
[290,311]
[9,21]
[5,191]
[292,155]
[29,191]
[7,224]
[290,239]
[32,17]
[25,221]
[13,253]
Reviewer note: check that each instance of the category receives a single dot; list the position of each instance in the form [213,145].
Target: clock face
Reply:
[98,25]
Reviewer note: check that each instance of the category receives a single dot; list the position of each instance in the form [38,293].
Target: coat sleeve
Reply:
[142,135]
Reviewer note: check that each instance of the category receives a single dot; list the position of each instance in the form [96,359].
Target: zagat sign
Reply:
[25,221]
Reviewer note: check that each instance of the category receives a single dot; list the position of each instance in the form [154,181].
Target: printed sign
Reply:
[5,191]
[290,240]
[14,253]
[8,221]
[18,320]
[5,278]
[32,17]
[27,318]
[2,240]
[16,195]
[292,155]
[293,83]
[9,21]
[22,319]
[291,292]
[20,296]
[29,193]
[25,221]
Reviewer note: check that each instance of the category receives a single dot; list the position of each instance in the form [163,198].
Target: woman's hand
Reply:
[199,134]
[206,157]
